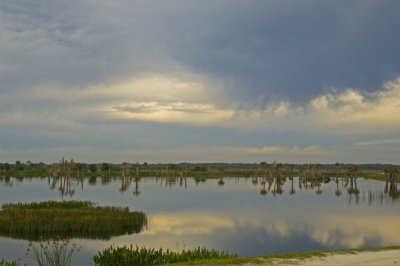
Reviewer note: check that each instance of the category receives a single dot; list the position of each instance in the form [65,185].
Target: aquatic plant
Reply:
[68,219]
[52,253]
[3,262]
[143,256]
[49,204]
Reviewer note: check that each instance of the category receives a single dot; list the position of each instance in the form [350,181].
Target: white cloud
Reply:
[309,150]
[196,101]
[173,112]
[352,108]
[378,142]
[185,98]
[265,149]
[179,98]
[295,150]
[350,111]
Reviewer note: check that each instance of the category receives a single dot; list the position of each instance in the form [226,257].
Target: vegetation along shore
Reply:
[201,170]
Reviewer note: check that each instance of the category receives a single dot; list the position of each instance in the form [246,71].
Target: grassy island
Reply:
[53,219]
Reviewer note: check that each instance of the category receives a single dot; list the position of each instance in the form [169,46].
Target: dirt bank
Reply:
[381,258]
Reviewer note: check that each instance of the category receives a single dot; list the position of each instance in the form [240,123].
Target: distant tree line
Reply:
[30,168]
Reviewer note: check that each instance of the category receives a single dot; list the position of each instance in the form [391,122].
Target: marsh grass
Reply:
[3,262]
[46,220]
[143,256]
[373,175]
[49,205]
[52,253]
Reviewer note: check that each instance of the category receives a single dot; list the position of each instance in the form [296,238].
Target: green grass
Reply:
[285,257]
[374,175]
[3,262]
[49,220]
[197,256]
[49,205]
[143,256]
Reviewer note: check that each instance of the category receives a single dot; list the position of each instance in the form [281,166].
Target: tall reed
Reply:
[143,256]
[3,262]
[52,253]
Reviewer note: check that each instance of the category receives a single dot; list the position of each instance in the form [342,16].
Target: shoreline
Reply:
[371,256]
[381,258]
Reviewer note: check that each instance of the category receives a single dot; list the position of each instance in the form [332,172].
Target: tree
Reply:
[393,173]
[279,167]
[71,165]
[172,166]
[19,165]
[353,171]
[292,167]
[125,167]
[137,169]
[93,168]
[255,167]
[264,166]
[105,167]
[338,167]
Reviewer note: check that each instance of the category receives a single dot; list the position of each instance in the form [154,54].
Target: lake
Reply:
[246,216]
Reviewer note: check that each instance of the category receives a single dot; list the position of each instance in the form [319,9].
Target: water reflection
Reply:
[392,190]
[346,185]
[338,191]
[7,180]
[137,226]
[61,176]
[264,213]
[271,231]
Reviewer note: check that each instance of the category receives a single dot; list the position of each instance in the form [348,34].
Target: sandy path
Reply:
[378,258]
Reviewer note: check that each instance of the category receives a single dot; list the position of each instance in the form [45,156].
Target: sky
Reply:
[200,81]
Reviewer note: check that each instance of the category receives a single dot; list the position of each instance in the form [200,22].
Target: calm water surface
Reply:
[246,216]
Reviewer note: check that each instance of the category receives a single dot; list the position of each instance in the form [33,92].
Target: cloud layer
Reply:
[193,102]
[316,80]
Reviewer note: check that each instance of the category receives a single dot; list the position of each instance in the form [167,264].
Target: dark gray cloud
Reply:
[297,49]
[260,48]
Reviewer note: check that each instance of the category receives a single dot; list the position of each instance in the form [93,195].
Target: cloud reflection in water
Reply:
[256,233]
